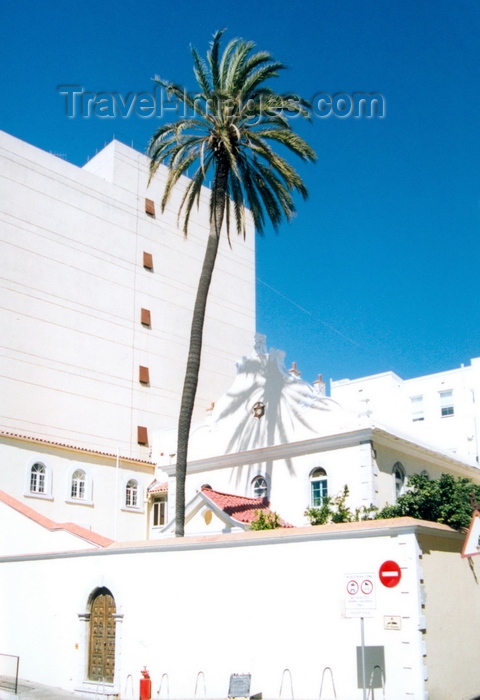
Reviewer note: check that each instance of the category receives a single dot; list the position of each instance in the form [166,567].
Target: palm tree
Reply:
[232,121]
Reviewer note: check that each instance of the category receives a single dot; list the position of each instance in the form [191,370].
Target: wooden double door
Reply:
[101,658]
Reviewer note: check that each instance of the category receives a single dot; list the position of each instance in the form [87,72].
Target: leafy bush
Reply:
[444,500]
[334,510]
[265,520]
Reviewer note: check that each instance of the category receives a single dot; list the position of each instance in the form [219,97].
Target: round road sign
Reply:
[366,587]
[352,587]
[390,574]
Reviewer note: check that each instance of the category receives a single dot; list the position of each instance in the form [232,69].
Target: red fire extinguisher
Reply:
[145,685]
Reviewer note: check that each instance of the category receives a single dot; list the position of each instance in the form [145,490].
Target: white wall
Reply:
[74,283]
[387,398]
[21,535]
[103,510]
[252,603]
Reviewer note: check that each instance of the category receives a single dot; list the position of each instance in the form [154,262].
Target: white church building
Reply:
[97,294]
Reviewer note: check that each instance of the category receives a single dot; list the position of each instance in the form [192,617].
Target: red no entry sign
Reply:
[390,574]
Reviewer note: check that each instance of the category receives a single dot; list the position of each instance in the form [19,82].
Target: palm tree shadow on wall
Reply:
[289,404]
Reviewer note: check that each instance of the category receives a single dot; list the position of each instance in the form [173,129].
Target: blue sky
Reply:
[380,269]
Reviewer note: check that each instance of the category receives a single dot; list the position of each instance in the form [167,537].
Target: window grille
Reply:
[318,487]
[131,494]
[37,478]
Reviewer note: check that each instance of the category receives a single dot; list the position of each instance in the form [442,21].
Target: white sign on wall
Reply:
[472,541]
[360,595]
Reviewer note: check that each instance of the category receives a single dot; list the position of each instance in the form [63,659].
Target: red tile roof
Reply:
[45,522]
[157,487]
[240,508]
[87,450]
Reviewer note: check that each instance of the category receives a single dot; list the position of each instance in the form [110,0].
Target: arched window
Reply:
[131,494]
[318,487]
[78,484]
[398,473]
[260,487]
[37,478]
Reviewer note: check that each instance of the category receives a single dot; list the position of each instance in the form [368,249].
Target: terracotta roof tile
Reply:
[158,487]
[240,508]
[44,441]
[45,522]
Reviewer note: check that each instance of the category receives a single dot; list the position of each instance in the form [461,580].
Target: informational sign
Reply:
[392,622]
[239,685]
[359,595]
[390,574]
[472,541]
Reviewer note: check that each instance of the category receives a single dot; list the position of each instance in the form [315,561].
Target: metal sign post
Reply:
[364,673]
[360,602]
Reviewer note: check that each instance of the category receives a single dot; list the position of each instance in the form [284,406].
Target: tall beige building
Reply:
[97,292]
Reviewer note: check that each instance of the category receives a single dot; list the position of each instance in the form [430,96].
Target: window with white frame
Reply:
[318,487]
[78,484]
[417,408]
[38,480]
[38,474]
[446,403]
[131,494]
[260,487]
[398,473]
[160,511]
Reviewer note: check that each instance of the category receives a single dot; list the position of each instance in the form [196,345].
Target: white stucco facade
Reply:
[269,604]
[82,262]
[273,425]
[74,283]
[441,408]
[102,504]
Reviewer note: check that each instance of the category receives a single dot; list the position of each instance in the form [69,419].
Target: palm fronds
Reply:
[234,118]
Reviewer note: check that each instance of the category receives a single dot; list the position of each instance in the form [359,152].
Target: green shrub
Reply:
[265,520]
[445,500]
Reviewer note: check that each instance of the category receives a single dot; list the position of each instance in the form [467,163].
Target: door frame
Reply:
[84,685]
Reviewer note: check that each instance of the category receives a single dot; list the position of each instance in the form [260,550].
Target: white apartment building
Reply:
[442,409]
[97,291]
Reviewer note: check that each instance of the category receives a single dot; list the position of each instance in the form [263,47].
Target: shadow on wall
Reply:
[268,405]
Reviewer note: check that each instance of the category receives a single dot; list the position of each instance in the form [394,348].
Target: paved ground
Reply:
[34,691]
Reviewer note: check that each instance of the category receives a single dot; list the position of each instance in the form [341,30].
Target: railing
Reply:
[201,675]
[159,691]
[286,671]
[327,668]
[372,677]
[5,681]
[128,682]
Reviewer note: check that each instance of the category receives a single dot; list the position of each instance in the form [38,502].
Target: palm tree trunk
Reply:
[195,347]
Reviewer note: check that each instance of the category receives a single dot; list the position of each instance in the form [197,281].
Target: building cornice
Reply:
[352,438]
[276,452]
[250,538]
[17,437]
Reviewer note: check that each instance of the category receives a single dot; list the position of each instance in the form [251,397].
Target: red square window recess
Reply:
[148,261]
[145,317]
[142,435]
[143,375]
[150,207]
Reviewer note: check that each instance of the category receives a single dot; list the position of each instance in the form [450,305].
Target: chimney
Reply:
[293,370]
[319,385]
